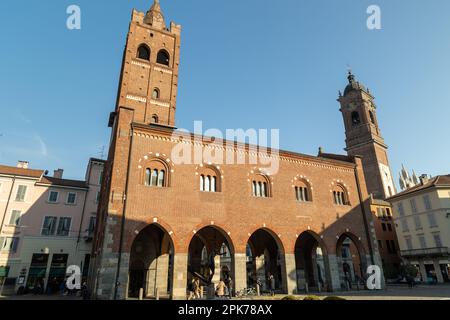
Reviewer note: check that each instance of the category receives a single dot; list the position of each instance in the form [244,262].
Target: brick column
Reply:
[179,276]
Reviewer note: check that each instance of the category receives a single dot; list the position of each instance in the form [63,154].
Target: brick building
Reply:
[161,222]
[363,138]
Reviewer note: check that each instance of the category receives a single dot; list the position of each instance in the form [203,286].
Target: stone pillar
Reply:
[179,276]
[217,272]
[123,277]
[335,275]
[150,280]
[240,272]
[423,271]
[162,274]
[437,269]
[261,271]
[290,277]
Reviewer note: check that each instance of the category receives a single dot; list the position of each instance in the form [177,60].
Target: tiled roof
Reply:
[7,170]
[437,181]
[63,182]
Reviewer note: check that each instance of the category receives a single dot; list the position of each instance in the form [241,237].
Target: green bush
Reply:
[289,298]
[334,298]
[312,298]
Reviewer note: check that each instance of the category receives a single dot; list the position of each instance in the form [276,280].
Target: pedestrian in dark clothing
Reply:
[85,292]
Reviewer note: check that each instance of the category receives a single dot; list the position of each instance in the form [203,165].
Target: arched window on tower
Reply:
[355,118]
[143,52]
[155,118]
[163,57]
[155,94]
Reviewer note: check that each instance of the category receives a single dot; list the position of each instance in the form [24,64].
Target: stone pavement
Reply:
[39,297]
[393,292]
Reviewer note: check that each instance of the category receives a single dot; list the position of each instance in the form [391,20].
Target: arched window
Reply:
[260,187]
[372,117]
[355,118]
[340,196]
[155,118]
[143,52]
[155,94]
[156,174]
[209,179]
[163,57]
[303,191]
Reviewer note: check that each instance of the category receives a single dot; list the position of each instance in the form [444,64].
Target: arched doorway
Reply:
[151,263]
[311,261]
[211,257]
[351,260]
[265,259]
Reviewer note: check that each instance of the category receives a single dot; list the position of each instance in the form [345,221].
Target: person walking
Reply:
[229,285]
[272,284]
[85,292]
[220,291]
[197,294]
[191,290]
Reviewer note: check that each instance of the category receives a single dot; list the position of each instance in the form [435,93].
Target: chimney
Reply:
[423,179]
[58,174]
[23,164]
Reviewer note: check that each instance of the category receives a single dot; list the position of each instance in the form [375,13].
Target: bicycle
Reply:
[246,292]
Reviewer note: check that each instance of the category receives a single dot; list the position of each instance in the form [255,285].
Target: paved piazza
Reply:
[421,292]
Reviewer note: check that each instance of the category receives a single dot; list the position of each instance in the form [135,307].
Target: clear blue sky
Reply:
[244,64]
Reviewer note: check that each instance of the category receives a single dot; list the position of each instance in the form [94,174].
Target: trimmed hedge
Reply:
[334,298]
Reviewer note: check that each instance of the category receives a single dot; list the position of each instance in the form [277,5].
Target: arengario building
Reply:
[307,224]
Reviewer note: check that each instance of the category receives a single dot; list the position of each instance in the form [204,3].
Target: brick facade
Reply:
[182,211]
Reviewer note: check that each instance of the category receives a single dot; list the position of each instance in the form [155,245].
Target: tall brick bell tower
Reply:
[363,138]
[147,99]
[149,76]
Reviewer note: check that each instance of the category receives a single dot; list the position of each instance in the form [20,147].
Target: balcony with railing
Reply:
[427,252]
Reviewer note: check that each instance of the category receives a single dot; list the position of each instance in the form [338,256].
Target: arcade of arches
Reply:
[211,257]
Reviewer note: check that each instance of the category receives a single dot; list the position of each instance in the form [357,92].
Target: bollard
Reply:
[157,294]
[141,294]
[319,287]
[306,288]
[258,290]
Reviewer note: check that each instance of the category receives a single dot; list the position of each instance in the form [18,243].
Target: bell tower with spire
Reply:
[149,76]
[363,137]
